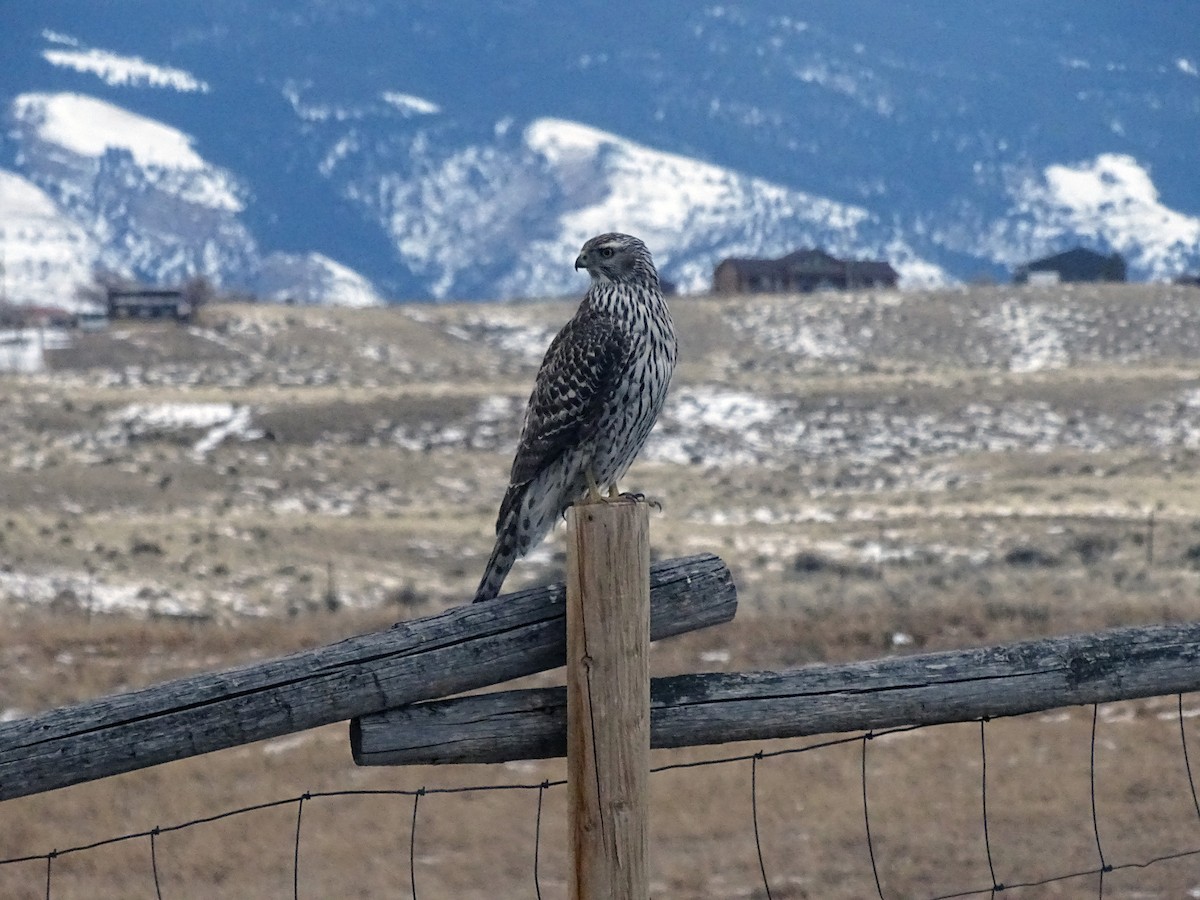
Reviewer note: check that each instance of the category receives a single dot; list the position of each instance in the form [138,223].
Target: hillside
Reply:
[263,444]
[361,153]
[883,472]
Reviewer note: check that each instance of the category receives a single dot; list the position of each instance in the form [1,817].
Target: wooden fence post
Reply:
[608,699]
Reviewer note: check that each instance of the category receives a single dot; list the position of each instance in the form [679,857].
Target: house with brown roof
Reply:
[801,271]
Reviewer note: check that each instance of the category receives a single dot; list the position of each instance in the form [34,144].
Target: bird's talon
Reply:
[639,497]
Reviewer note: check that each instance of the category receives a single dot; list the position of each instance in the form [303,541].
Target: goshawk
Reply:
[598,392]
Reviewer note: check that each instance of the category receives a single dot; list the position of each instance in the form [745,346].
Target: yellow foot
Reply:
[593,491]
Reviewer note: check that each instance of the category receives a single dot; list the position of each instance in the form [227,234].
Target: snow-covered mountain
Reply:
[346,152]
[138,187]
[504,217]
[130,194]
[44,253]
[1111,200]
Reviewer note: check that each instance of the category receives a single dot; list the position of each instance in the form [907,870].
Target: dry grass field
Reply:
[884,473]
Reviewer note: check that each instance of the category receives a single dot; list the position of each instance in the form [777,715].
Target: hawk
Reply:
[597,394]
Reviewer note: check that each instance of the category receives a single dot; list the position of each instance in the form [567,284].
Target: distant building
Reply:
[801,271]
[1079,264]
[143,303]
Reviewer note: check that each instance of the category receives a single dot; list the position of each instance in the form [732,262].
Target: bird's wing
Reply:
[578,374]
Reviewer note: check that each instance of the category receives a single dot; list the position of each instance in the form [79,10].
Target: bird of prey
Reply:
[597,394]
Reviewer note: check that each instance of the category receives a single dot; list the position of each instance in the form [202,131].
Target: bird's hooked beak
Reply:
[581,261]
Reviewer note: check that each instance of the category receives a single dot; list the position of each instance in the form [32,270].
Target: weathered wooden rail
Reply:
[463,649]
[690,710]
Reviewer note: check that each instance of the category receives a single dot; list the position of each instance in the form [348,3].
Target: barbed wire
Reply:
[1103,868]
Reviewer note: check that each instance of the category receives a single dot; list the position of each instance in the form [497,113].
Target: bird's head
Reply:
[616,257]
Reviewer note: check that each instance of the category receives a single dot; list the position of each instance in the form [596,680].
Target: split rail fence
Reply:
[394,686]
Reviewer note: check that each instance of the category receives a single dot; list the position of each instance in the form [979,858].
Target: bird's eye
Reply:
[606,252]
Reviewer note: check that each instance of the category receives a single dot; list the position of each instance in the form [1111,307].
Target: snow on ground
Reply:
[917,274]
[90,127]
[733,411]
[217,421]
[46,256]
[1114,192]
[462,212]
[488,429]
[237,425]
[803,330]
[1032,329]
[21,350]
[507,332]
[86,593]
[1111,199]
[410,105]
[1015,330]
[660,196]
[313,278]
[116,69]
[878,446]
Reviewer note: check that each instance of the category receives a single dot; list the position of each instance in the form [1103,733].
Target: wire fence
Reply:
[771,887]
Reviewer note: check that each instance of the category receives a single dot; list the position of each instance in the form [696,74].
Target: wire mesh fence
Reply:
[978,845]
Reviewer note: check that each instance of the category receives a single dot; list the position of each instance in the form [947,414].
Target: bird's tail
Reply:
[527,514]
[504,554]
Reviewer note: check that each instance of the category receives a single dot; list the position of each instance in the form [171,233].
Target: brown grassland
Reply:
[884,474]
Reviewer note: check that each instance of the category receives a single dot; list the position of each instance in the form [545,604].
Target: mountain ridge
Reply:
[940,142]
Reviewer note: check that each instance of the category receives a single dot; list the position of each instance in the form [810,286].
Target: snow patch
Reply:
[125,71]
[309,111]
[90,128]
[1110,199]
[341,149]
[699,420]
[218,421]
[314,278]
[507,333]
[23,350]
[96,595]
[804,332]
[46,255]
[659,195]
[855,86]
[57,37]
[1037,341]
[410,105]
[454,217]
[724,410]
[683,208]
